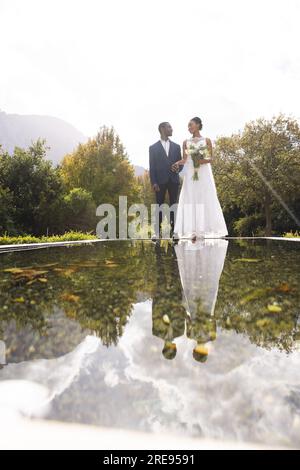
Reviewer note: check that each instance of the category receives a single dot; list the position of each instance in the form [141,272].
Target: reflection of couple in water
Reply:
[186,292]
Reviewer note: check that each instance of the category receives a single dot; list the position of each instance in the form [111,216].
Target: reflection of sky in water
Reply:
[241,392]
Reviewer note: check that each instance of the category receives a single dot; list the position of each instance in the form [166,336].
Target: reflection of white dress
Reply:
[199,212]
[200,266]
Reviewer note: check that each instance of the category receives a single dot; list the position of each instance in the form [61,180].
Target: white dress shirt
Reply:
[166,145]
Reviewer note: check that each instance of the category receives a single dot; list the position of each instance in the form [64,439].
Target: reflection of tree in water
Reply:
[95,288]
[259,294]
[92,289]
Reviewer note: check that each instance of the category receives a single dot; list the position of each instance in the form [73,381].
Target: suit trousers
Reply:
[172,189]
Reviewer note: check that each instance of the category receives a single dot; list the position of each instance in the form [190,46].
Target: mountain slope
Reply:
[21,130]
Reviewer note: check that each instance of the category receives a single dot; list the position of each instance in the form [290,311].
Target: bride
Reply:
[199,213]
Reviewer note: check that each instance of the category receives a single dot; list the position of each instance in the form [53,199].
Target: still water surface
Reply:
[199,339]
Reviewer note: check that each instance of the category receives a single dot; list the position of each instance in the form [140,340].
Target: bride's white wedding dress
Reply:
[200,266]
[199,212]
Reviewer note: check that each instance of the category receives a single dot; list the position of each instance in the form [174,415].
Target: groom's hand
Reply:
[156,188]
[174,167]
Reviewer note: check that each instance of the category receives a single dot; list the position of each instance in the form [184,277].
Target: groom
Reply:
[162,155]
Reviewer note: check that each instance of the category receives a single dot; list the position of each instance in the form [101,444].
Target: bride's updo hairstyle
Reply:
[197,121]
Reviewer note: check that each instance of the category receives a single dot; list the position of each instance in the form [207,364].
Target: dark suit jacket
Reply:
[160,164]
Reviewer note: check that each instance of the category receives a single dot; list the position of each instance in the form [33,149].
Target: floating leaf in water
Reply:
[13,270]
[274,308]
[255,294]
[110,264]
[49,265]
[248,260]
[166,319]
[19,300]
[25,273]
[42,279]
[284,287]
[261,292]
[70,297]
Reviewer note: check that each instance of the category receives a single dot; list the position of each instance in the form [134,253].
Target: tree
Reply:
[258,171]
[147,193]
[6,212]
[79,210]
[35,187]
[101,166]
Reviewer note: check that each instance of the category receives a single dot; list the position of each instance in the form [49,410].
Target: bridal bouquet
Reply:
[197,154]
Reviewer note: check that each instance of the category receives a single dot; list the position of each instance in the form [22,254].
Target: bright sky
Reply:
[134,63]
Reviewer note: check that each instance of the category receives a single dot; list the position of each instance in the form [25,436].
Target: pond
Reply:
[197,339]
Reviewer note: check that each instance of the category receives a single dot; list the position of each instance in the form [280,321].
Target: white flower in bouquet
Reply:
[197,153]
